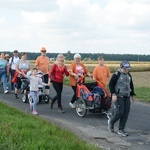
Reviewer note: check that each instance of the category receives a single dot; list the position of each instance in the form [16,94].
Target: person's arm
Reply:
[17,67]
[112,84]
[42,83]
[66,71]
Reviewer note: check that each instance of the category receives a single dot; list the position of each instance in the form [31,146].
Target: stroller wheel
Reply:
[30,99]
[46,98]
[81,107]
[24,98]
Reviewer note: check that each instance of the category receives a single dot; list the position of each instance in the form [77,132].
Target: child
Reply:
[34,82]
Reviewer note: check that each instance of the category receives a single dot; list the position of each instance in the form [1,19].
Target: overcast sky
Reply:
[87,26]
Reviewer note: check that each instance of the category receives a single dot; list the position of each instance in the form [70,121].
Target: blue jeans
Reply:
[4,81]
[35,97]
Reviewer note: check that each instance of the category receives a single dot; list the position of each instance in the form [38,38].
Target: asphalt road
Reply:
[93,127]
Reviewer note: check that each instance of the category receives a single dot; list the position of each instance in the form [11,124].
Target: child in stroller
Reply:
[26,88]
[91,97]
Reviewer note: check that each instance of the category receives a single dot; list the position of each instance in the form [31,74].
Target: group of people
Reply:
[120,84]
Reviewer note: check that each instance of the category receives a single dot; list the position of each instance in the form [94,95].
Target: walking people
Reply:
[4,72]
[77,68]
[34,84]
[101,73]
[23,65]
[42,64]
[122,91]
[56,75]
[12,67]
[7,57]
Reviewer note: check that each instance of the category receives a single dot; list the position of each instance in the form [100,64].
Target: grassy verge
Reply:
[143,94]
[19,131]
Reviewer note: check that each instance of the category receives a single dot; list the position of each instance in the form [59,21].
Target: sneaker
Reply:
[110,126]
[35,112]
[60,109]
[72,105]
[122,133]
[31,106]
[51,104]
[16,96]
[6,91]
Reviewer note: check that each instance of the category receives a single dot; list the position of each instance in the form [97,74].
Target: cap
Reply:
[125,65]
[15,51]
[7,55]
[77,56]
[43,49]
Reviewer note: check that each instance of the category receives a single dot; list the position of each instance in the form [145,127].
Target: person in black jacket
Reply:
[122,90]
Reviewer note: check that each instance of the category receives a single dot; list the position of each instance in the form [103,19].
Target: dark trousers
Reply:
[45,80]
[12,72]
[74,98]
[58,88]
[121,109]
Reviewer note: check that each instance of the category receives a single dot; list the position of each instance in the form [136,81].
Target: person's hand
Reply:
[132,99]
[114,98]
[48,84]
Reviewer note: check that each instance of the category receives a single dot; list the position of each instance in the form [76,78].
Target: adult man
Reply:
[12,65]
[122,89]
[101,73]
[42,64]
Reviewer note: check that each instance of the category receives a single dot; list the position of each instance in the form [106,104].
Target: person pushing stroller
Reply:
[34,82]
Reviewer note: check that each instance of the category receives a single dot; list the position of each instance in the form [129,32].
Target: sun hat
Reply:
[43,49]
[77,55]
[7,55]
[125,65]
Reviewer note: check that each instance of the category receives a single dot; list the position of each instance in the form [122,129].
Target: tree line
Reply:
[91,56]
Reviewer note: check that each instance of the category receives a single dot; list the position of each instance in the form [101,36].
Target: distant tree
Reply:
[68,55]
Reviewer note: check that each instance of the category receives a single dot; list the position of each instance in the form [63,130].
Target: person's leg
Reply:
[12,84]
[74,94]
[124,118]
[46,81]
[117,112]
[17,86]
[4,81]
[58,89]
[34,95]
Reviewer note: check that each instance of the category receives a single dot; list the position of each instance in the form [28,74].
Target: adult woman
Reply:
[22,65]
[77,68]
[4,72]
[56,75]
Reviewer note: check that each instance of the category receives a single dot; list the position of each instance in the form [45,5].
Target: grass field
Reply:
[20,131]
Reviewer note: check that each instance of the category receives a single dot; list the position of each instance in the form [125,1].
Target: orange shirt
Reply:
[73,68]
[42,62]
[101,74]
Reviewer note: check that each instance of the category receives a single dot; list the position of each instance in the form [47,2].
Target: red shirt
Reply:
[57,73]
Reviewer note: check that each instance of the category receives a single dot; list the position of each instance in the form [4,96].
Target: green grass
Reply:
[20,131]
[142,93]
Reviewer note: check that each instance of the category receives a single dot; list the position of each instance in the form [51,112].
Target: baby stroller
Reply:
[26,88]
[91,97]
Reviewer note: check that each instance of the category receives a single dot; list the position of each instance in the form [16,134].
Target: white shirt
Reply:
[13,64]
